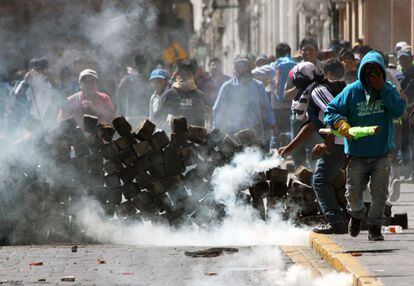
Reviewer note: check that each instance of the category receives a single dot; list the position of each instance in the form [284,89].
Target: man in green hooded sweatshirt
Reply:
[369,101]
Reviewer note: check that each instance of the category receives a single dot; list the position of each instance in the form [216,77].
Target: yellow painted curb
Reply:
[335,255]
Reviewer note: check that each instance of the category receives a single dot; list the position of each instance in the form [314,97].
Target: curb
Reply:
[341,261]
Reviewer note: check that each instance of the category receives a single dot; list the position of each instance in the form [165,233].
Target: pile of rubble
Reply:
[138,175]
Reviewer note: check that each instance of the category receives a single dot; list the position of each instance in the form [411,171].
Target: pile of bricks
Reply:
[141,174]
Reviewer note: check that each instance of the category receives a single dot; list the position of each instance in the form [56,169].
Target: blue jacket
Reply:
[352,105]
[242,106]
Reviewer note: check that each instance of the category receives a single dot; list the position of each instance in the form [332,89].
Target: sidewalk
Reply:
[374,263]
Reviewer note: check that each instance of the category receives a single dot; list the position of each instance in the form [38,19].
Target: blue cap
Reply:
[159,73]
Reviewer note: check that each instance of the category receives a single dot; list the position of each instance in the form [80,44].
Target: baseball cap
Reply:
[159,73]
[88,72]
[404,53]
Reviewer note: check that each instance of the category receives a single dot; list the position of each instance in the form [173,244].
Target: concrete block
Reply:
[145,130]
[142,148]
[90,123]
[197,134]
[122,126]
[112,166]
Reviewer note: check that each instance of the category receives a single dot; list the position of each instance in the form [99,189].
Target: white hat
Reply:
[305,70]
[400,45]
[88,72]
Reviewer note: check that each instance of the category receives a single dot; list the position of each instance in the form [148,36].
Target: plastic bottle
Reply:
[391,229]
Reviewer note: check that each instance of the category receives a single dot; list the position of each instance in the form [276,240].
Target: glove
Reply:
[343,128]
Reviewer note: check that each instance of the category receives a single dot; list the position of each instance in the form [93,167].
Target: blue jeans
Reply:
[327,168]
[360,171]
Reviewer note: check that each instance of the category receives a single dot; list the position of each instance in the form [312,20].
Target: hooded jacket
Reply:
[352,105]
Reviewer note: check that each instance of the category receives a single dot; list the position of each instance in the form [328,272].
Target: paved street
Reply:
[392,260]
[125,265]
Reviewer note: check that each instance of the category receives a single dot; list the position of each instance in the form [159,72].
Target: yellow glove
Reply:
[343,128]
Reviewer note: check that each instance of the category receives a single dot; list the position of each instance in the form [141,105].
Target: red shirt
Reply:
[101,107]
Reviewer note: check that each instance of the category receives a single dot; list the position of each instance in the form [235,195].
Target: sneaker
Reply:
[354,226]
[374,233]
[331,228]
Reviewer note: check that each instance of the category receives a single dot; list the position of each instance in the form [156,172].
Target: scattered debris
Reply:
[211,273]
[74,248]
[36,264]
[69,278]
[211,252]
[101,261]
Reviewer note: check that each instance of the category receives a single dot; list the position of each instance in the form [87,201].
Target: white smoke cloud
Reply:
[240,228]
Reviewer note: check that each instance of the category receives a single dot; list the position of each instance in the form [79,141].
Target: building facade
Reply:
[226,28]
[380,23]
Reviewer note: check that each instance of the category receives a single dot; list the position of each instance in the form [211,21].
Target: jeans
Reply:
[327,168]
[304,151]
[359,172]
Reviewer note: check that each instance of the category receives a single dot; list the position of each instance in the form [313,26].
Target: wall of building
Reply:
[230,27]
[381,23]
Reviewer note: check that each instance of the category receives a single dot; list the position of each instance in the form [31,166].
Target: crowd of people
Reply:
[285,99]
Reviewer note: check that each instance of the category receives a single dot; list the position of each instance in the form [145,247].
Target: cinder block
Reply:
[81,149]
[304,175]
[178,195]
[95,162]
[260,177]
[121,126]
[95,143]
[156,157]
[125,142]
[130,190]
[127,174]
[76,136]
[197,134]
[400,219]
[171,182]
[214,137]
[163,202]
[112,166]
[189,156]
[80,164]
[127,157]
[246,137]
[179,139]
[145,130]
[61,147]
[106,131]
[114,196]
[179,125]
[156,189]
[157,172]
[172,160]
[101,194]
[142,164]
[143,180]
[126,210]
[259,190]
[278,189]
[278,175]
[228,146]
[90,123]
[96,178]
[159,140]
[142,199]
[109,151]
[142,148]
[112,181]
